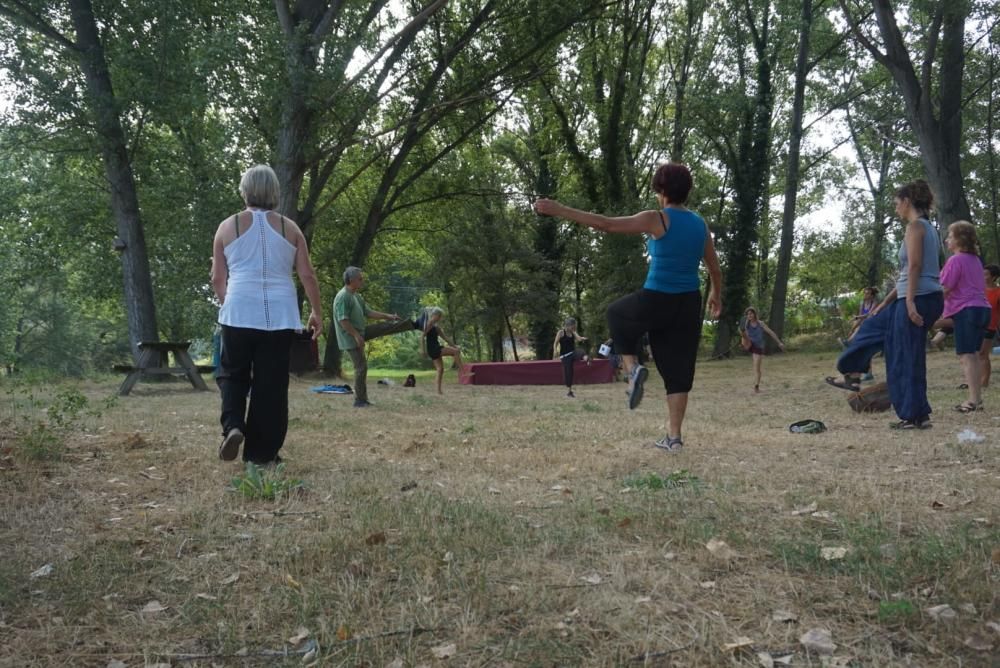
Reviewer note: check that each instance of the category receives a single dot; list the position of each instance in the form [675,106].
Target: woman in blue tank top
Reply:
[668,307]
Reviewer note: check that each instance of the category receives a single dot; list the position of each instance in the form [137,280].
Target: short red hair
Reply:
[673,181]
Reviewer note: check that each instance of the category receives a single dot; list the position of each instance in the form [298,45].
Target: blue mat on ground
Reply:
[332,389]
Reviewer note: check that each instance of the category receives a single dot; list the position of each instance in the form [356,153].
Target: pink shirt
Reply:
[964,284]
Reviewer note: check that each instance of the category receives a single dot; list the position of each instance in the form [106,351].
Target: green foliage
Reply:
[894,612]
[681,478]
[43,425]
[265,484]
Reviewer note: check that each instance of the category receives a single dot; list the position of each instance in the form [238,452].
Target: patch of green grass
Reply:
[894,612]
[674,480]
[259,483]
[420,400]
[591,407]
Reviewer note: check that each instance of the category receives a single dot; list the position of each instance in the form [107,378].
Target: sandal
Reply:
[670,444]
[843,384]
[968,407]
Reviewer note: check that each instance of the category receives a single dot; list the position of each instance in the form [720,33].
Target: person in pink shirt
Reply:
[965,303]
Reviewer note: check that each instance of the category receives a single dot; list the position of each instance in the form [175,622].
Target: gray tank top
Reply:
[930,267]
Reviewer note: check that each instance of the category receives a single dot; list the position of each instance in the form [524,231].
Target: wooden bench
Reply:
[154,361]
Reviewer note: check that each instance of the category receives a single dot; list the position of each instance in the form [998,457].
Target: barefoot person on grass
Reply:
[253,256]
[430,342]
[755,329]
[668,306]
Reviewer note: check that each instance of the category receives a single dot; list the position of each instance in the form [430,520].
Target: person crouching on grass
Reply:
[965,303]
[755,329]
[565,341]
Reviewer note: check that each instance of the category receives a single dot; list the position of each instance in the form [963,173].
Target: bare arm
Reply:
[304,268]
[555,344]
[378,315]
[772,335]
[644,222]
[914,241]
[711,259]
[220,270]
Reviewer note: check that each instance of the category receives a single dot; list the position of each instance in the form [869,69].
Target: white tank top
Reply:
[260,293]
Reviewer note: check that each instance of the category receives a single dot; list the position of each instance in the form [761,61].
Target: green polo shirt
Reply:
[350,306]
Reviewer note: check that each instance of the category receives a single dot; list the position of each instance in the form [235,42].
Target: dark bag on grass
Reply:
[874,399]
[411,381]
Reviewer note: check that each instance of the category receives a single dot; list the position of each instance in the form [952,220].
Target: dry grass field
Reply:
[502,526]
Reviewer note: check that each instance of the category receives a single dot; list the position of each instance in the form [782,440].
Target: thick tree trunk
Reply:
[140,309]
[779,296]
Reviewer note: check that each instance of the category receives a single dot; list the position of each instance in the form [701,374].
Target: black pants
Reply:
[568,360]
[255,361]
[673,322]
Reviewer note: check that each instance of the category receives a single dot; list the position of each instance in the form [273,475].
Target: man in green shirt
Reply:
[350,313]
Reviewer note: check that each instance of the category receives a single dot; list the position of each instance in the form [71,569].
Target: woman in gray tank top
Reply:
[898,326]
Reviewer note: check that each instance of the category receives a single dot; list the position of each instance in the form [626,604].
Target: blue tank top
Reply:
[930,268]
[676,256]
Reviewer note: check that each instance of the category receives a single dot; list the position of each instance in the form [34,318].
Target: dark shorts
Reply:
[989,335]
[970,323]
[673,322]
[754,350]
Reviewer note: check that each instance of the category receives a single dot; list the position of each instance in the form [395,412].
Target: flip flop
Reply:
[968,407]
[841,384]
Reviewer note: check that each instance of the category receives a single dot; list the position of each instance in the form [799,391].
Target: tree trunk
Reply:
[140,309]
[779,296]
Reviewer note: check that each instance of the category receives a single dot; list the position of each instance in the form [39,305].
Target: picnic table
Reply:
[154,360]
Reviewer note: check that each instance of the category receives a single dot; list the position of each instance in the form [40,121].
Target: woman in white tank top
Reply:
[253,257]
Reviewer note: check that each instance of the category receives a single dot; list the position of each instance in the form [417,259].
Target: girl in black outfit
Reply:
[430,344]
[566,340]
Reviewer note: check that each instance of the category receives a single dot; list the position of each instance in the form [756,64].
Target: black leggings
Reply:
[568,360]
[673,322]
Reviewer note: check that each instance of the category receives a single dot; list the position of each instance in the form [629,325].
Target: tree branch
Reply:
[19,12]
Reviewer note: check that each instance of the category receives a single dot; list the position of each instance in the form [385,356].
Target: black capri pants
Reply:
[673,322]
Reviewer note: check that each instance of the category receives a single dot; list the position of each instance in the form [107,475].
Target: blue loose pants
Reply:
[866,342]
[906,355]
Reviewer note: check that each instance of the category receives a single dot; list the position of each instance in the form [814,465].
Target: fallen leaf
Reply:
[493,490]
[740,643]
[153,607]
[343,632]
[707,584]
[377,538]
[996,555]
[818,640]
[231,579]
[115,663]
[993,625]
[833,553]
[395,663]
[805,510]
[937,505]
[301,634]
[42,572]
[941,613]
[643,599]
[444,651]
[625,521]
[292,582]
[785,660]
[593,579]
[784,616]
[206,597]
[669,556]
[979,642]
[765,660]
[968,608]
[448,557]
[823,515]
[720,550]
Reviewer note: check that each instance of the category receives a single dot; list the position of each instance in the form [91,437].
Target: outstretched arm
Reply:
[644,222]
[772,335]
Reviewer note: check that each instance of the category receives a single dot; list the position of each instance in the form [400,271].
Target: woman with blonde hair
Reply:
[430,342]
[964,284]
